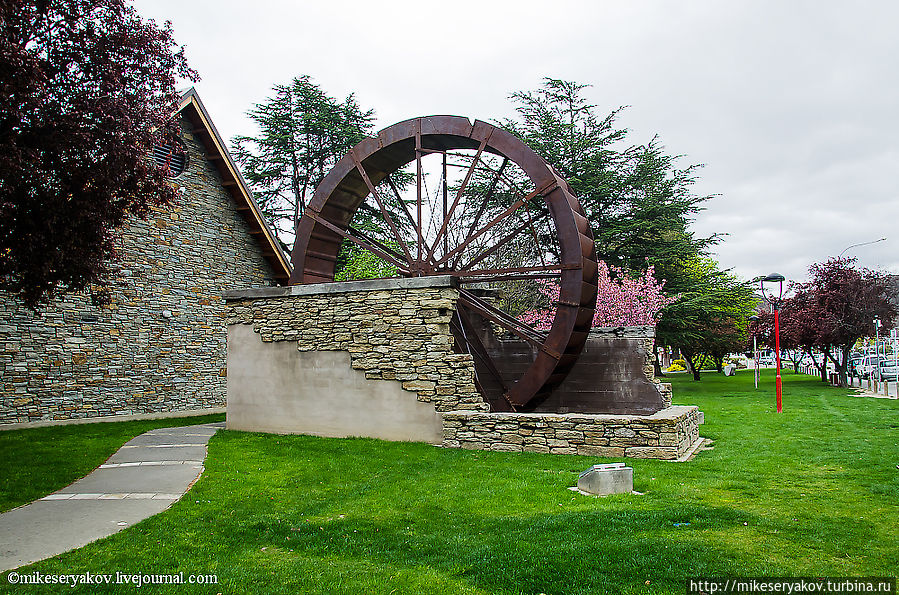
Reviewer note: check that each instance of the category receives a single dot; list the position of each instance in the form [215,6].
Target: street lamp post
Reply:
[860,244]
[775,303]
[877,349]
[755,350]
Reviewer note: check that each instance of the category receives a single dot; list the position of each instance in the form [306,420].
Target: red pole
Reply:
[777,355]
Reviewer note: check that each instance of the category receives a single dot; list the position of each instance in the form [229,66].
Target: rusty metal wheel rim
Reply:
[326,223]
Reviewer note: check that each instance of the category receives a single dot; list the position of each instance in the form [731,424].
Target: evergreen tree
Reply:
[303,132]
[640,204]
[638,200]
[709,316]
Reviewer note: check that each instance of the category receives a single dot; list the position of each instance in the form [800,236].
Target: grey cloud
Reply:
[791,105]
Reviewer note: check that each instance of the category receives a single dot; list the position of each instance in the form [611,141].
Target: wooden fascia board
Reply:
[229,170]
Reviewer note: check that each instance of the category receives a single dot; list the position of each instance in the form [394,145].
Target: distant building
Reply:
[160,345]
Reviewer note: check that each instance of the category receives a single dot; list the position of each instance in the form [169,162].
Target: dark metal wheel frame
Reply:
[327,223]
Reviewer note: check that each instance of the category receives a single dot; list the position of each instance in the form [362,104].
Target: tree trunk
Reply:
[841,365]
[844,369]
[719,363]
[823,367]
[808,351]
[690,358]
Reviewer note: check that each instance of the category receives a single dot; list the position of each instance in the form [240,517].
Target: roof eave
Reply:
[233,181]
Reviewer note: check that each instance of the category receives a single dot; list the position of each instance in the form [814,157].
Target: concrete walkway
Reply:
[141,479]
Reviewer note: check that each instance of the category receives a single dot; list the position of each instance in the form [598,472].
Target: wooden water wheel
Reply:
[498,217]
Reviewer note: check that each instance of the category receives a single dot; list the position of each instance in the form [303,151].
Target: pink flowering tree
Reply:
[625,300]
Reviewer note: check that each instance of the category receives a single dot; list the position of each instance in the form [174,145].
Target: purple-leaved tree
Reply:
[86,89]
[832,311]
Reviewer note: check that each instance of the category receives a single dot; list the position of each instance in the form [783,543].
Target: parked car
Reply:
[766,361]
[867,365]
[889,369]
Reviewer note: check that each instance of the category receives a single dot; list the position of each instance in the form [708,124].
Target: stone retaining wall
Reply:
[393,329]
[397,331]
[668,434]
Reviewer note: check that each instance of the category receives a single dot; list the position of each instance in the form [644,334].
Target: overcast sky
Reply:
[791,106]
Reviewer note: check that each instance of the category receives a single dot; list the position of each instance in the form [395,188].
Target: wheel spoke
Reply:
[493,314]
[483,206]
[486,168]
[399,199]
[384,213]
[535,269]
[376,243]
[512,208]
[499,243]
[534,231]
[402,203]
[550,271]
[479,278]
[427,248]
[418,188]
[401,266]
[476,347]
[446,216]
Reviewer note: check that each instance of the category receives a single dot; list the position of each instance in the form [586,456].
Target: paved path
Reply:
[141,479]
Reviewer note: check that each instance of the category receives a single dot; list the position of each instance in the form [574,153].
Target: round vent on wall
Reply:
[171,157]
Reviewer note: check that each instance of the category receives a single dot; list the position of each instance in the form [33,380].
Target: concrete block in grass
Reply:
[603,480]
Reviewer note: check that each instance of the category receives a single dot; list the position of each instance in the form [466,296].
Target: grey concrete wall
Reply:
[274,387]
[614,374]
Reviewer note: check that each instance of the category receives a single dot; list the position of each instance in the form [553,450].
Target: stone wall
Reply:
[160,345]
[668,434]
[397,331]
[393,329]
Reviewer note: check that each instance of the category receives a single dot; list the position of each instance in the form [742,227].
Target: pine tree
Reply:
[303,132]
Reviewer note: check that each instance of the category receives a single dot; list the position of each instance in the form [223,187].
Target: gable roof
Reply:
[192,109]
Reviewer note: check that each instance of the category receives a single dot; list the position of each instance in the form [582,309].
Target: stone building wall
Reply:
[160,345]
[392,329]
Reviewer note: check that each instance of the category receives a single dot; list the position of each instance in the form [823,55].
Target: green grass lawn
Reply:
[39,461]
[813,491]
